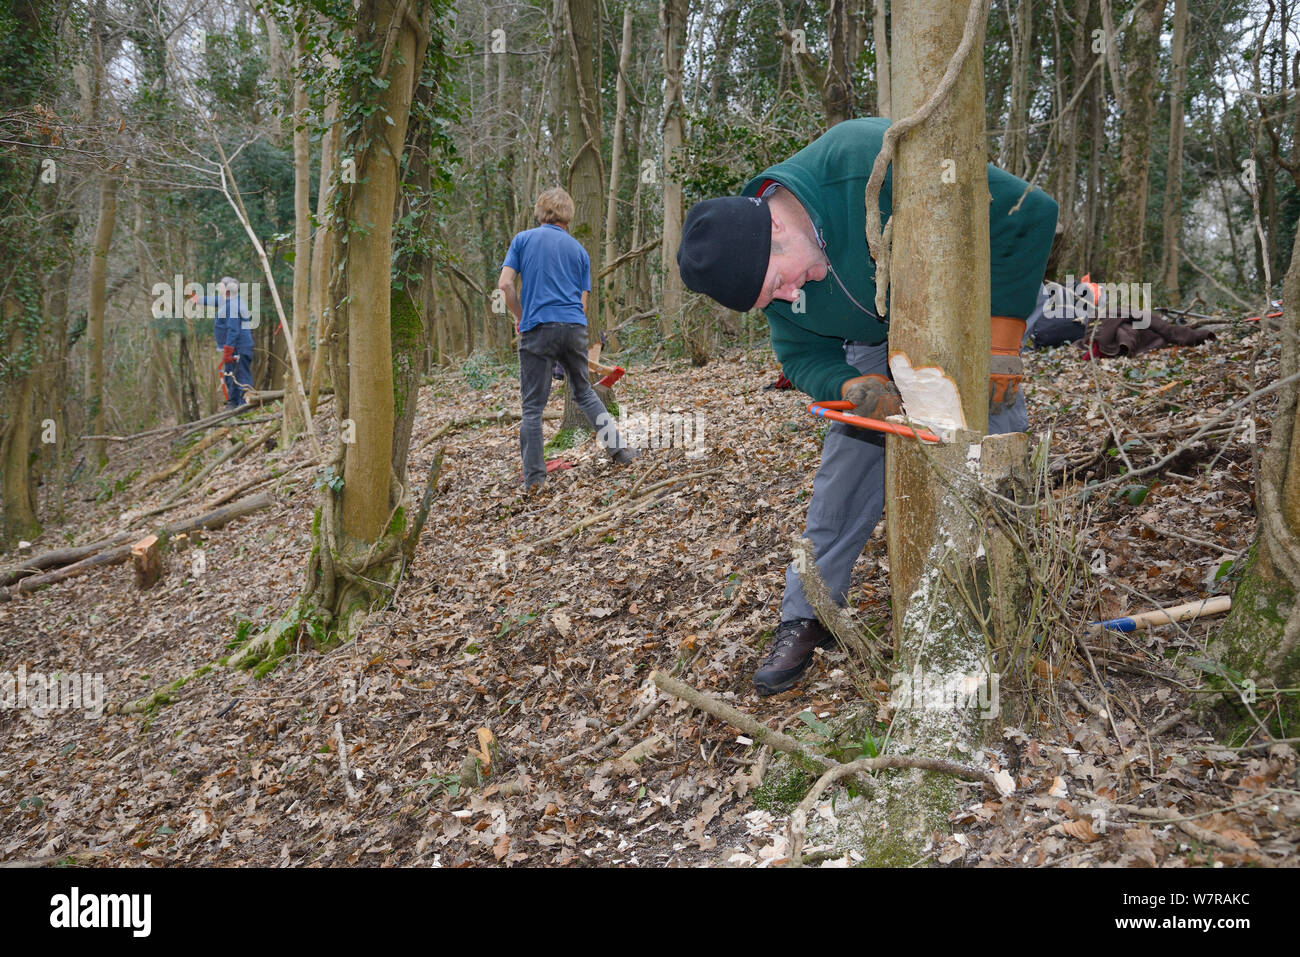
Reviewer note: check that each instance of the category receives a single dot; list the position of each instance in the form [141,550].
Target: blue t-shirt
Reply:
[554,272]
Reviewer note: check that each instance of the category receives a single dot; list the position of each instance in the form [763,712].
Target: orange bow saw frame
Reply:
[834,410]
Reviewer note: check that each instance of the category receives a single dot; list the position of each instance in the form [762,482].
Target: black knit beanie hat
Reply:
[725,248]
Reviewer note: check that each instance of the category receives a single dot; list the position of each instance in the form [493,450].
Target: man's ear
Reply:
[778,221]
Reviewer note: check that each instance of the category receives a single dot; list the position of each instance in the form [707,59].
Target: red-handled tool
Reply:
[832,410]
[612,377]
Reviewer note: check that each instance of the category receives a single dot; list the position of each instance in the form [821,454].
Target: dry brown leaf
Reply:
[1081,829]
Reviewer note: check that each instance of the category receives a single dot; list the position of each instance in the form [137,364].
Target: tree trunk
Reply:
[95,319]
[586,180]
[54,377]
[1094,211]
[164,377]
[1260,640]
[615,164]
[672,23]
[939,318]
[1173,209]
[1065,170]
[1142,60]
[322,248]
[293,417]
[18,515]
[883,81]
[1013,158]
[585,173]
[837,92]
[357,551]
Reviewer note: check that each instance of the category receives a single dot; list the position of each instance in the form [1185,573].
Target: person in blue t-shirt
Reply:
[231,330]
[551,317]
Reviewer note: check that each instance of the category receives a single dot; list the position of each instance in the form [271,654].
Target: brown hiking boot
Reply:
[790,654]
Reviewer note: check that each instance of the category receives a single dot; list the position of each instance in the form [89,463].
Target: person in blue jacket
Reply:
[232,330]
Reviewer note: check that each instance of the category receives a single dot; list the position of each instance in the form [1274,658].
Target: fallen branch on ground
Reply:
[260,480]
[1184,824]
[413,536]
[614,735]
[343,763]
[122,553]
[835,617]
[799,817]
[201,424]
[198,448]
[760,732]
[234,452]
[1092,709]
[59,557]
[831,771]
[198,425]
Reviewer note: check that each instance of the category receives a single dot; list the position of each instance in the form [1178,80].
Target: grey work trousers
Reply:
[539,349]
[849,490]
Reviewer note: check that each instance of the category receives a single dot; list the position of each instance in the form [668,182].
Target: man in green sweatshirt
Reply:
[794,244]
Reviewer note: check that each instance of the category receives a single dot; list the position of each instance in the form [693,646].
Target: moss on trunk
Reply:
[1251,646]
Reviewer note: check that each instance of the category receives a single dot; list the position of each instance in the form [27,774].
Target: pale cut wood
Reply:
[146,559]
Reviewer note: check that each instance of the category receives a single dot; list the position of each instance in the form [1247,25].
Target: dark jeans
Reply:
[539,348]
[238,377]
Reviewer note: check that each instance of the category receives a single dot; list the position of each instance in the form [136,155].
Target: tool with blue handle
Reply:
[1164,616]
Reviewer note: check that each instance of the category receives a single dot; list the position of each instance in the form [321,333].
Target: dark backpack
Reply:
[1062,315]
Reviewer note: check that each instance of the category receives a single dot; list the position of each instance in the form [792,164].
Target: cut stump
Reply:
[146,559]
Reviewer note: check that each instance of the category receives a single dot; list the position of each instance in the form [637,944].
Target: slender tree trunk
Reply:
[1013,158]
[95,318]
[370,360]
[1065,170]
[883,80]
[359,536]
[1173,209]
[1260,640]
[1094,219]
[672,23]
[585,179]
[1141,61]
[615,163]
[939,318]
[54,377]
[322,248]
[837,92]
[293,417]
[18,514]
[165,377]
[586,175]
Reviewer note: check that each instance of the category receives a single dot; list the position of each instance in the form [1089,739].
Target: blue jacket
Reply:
[228,328]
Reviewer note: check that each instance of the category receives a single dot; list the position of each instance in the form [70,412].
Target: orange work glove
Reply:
[228,356]
[1006,370]
[873,396]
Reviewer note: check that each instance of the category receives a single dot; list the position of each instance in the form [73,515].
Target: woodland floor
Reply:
[549,647]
